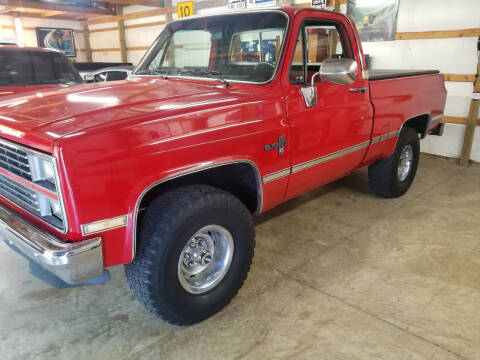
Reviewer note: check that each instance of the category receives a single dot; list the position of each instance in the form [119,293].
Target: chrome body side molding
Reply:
[314,162]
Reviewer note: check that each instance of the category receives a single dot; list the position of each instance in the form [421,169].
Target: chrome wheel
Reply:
[405,163]
[205,259]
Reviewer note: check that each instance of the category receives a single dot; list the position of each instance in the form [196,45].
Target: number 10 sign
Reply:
[185,9]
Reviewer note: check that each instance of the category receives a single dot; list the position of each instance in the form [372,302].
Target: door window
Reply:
[116,75]
[323,41]
[100,77]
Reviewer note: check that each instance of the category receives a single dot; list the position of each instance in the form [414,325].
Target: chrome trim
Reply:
[58,186]
[188,172]
[437,117]
[339,71]
[276,175]
[311,163]
[72,262]
[384,137]
[277,65]
[83,226]
[410,118]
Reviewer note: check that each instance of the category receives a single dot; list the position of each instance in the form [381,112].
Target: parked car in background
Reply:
[111,74]
[86,69]
[25,69]
[8,42]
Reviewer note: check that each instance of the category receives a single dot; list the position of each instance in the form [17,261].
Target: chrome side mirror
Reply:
[309,92]
[339,71]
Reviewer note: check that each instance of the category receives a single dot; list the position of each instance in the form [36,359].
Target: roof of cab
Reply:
[26,48]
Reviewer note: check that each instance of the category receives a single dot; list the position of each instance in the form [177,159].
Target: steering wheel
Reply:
[261,65]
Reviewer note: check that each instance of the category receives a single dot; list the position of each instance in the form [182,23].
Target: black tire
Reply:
[382,175]
[168,224]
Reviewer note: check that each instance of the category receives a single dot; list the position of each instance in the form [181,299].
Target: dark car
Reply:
[25,69]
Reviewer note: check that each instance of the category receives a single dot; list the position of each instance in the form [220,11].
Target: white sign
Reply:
[236,4]
[322,4]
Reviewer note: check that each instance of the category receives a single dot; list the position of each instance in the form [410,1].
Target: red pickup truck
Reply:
[226,116]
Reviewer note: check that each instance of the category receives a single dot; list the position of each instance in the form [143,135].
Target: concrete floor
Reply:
[338,274]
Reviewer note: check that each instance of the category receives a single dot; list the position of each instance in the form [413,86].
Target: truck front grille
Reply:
[15,160]
[19,194]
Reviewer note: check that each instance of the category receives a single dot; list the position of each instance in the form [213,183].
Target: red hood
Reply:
[41,117]
[8,91]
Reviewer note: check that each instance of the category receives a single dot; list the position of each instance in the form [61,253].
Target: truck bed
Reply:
[392,74]
[403,95]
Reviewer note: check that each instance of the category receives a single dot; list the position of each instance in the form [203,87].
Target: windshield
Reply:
[239,47]
[23,67]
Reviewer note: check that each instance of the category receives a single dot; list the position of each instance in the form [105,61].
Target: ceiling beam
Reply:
[137,15]
[54,7]
[153,3]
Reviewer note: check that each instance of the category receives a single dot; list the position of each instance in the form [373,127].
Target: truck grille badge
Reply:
[280,145]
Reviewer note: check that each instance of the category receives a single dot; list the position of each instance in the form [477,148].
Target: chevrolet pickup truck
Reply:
[225,117]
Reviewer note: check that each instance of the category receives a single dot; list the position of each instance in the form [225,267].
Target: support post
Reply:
[121,35]
[88,48]
[471,123]
[168,15]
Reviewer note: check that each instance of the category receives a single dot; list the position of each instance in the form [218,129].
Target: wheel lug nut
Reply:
[206,258]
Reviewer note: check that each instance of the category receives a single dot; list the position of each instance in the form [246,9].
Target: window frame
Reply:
[344,39]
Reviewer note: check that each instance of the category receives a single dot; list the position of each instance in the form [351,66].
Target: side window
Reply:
[100,77]
[116,75]
[64,69]
[323,41]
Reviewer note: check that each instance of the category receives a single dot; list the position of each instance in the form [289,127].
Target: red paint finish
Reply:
[112,141]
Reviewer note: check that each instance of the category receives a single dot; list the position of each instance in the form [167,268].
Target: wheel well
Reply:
[240,179]
[419,123]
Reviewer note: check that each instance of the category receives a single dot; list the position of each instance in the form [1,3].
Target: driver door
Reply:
[330,139]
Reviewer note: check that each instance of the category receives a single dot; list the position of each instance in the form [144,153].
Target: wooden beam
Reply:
[112,28]
[136,15]
[88,47]
[438,34]
[153,3]
[121,35]
[459,77]
[136,48]
[471,122]
[147,24]
[131,48]
[168,3]
[133,26]
[105,49]
[54,7]
[456,120]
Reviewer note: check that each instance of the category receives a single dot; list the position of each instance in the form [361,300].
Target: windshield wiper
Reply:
[210,73]
[163,73]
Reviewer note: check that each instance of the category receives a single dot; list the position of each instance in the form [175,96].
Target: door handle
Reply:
[358,90]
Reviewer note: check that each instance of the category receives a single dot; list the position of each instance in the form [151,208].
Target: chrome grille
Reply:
[19,194]
[15,160]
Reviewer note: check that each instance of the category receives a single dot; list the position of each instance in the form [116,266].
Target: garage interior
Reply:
[338,273]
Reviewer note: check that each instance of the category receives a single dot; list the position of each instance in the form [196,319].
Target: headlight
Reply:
[49,171]
[44,174]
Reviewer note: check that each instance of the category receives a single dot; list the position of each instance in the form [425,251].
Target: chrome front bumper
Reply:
[71,262]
